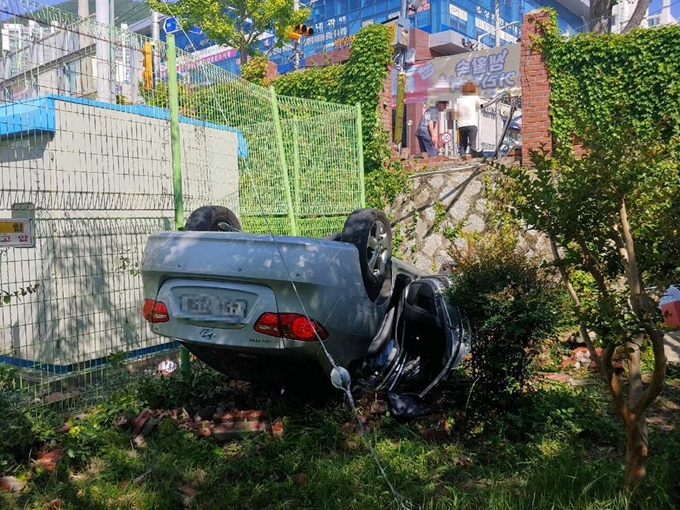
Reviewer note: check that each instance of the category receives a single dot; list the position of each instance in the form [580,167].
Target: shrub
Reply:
[175,390]
[384,184]
[23,429]
[513,305]
[17,436]
[255,70]
[556,411]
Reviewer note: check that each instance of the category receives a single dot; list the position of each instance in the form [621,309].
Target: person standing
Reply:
[426,132]
[467,107]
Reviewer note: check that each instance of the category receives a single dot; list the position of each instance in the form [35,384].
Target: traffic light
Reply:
[301,31]
[147,64]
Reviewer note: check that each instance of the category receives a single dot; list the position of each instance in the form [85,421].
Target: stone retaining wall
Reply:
[427,223]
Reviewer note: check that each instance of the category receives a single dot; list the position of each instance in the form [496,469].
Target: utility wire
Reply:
[136,7]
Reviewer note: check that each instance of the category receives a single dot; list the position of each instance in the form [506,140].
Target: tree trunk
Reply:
[600,16]
[636,451]
[638,15]
[243,49]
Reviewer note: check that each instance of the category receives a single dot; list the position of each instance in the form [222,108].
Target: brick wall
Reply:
[535,89]
[385,104]
[272,71]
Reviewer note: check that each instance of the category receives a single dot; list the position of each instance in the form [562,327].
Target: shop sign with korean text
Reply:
[492,70]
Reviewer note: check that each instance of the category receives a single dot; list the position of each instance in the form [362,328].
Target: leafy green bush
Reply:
[319,83]
[255,70]
[22,428]
[513,305]
[557,411]
[176,391]
[17,436]
[619,87]
[384,184]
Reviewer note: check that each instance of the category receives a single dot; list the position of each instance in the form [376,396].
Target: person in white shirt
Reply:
[467,107]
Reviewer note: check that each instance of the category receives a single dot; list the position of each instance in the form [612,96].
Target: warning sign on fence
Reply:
[16,233]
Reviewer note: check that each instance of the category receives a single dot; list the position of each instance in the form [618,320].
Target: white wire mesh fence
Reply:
[86,160]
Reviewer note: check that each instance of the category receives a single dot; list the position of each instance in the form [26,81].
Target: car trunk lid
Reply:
[216,312]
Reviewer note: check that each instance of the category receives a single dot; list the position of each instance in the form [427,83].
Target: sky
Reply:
[655,6]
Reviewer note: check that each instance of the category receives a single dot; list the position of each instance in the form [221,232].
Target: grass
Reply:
[562,449]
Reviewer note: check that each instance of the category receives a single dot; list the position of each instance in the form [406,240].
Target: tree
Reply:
[593,210]
[237,23]
[638,15]
[600,15]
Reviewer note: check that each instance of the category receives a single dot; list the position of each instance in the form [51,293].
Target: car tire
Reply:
[369,230]
[213,218]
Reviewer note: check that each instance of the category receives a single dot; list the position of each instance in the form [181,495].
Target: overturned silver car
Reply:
[282,310]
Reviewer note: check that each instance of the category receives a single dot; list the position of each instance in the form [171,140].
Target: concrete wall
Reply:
[101,183]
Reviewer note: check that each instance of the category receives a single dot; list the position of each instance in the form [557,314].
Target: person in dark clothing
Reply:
[426,132]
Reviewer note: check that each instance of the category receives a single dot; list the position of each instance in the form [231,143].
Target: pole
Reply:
[103,68]
[296,43]
[296,164]
[83,67]
[284,165]
[155,28]
[173,92]
[495,31]
[112,52]
[401,82]
[399,120]
[156,36]
[360,156]
[497,17]
[173,96]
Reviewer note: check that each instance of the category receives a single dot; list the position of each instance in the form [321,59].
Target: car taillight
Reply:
[293,326]
[155,311]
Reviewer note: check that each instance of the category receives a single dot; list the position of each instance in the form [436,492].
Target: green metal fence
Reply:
[87,156]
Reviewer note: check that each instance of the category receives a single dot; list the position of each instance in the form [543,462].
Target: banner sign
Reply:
[492,70]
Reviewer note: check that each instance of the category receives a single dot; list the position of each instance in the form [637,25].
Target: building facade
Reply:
[457,25]
[15,37]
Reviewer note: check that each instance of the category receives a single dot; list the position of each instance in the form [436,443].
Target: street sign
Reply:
[16,232]
[170,26]
[446,137]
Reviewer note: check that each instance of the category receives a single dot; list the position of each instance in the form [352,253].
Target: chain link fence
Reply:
[87,174]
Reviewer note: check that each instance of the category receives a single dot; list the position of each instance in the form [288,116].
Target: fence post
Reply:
[284,166]
[360,156]
[296,164]
[173,97]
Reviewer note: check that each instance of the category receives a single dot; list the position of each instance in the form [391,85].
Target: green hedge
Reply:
[613,83]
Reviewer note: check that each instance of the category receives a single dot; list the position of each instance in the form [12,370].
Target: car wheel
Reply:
[213,218]
[369,230]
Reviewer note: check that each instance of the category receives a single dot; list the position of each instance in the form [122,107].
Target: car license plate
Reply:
[208,305]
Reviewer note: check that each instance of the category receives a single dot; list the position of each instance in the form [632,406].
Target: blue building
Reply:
[335,20]
[453,22]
